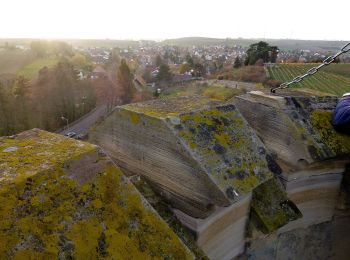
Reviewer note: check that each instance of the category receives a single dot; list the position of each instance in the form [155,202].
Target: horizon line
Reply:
[164,39]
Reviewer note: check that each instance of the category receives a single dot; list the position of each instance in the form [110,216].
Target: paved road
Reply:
[82,125]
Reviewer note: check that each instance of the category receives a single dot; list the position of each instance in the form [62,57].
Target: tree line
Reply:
[55,93]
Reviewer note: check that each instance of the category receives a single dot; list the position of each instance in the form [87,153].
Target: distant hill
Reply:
[283,44]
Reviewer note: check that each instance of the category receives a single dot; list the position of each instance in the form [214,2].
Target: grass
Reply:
[13,60]
[334,79]
[31,70]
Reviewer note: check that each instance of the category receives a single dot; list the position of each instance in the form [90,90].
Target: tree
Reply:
[189,60]
[22,99]
[79,60]
[39,48]
[164,73]
[184,67]
[6,102]
[125,80]
[198,70]
[158,61]
[261,50]
[238,63]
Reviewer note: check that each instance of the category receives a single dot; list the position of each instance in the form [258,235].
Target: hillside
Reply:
[335,79]
[22,63]
[31,70]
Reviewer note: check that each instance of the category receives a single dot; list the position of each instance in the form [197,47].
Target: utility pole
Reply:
[63,118]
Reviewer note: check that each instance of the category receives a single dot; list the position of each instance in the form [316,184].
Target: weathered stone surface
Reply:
[315,242]
[222,234]
[61,198]
[311,156]
[297,128]
[196,152]
[200,155]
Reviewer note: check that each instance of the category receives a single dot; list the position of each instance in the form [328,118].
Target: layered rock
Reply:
[61,198]
[200,155]
[311,156]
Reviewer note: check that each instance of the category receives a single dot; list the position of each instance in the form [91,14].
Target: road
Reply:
[82,125]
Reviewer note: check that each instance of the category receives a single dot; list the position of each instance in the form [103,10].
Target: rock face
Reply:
[311,156]
[61,198]
[201,155]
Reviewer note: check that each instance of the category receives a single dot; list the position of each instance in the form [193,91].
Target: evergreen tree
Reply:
[164,73]
[125,80]
[238,63]
[261,50]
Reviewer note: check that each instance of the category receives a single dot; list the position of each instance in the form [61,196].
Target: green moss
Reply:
[46,213]
[271,207]
[336,142]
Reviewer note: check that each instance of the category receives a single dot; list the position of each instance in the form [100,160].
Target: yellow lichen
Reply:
[135,118]
[47,213]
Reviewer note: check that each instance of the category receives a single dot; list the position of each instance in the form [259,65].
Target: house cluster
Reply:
[306,56]
[98,55]
[202,60]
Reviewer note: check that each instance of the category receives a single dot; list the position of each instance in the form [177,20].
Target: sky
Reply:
[164,19]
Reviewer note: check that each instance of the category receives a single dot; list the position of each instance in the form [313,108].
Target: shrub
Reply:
[250,74]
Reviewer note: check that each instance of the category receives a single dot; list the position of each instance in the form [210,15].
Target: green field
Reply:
[31,70]
[334,79]
[12,60]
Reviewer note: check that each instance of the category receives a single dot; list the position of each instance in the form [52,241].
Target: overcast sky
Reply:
[162,19]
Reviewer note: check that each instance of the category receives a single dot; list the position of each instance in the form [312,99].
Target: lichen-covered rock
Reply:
[61,198]
[337,143]
[200,155]
[197,152]
[271,206]
[297,128]
[311,156]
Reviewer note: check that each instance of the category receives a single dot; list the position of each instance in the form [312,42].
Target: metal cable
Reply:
[315,69]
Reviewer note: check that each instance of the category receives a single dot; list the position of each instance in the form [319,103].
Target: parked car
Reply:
[71,134]
[81,136]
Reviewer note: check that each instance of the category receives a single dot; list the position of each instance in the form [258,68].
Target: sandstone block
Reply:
[64,199]
[311,155]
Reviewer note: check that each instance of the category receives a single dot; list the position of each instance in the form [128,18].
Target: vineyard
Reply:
[334,79]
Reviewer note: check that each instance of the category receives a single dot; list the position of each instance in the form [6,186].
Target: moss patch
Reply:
[271,207]
[222,93]
[47,214]
[170,107]
[321,121]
